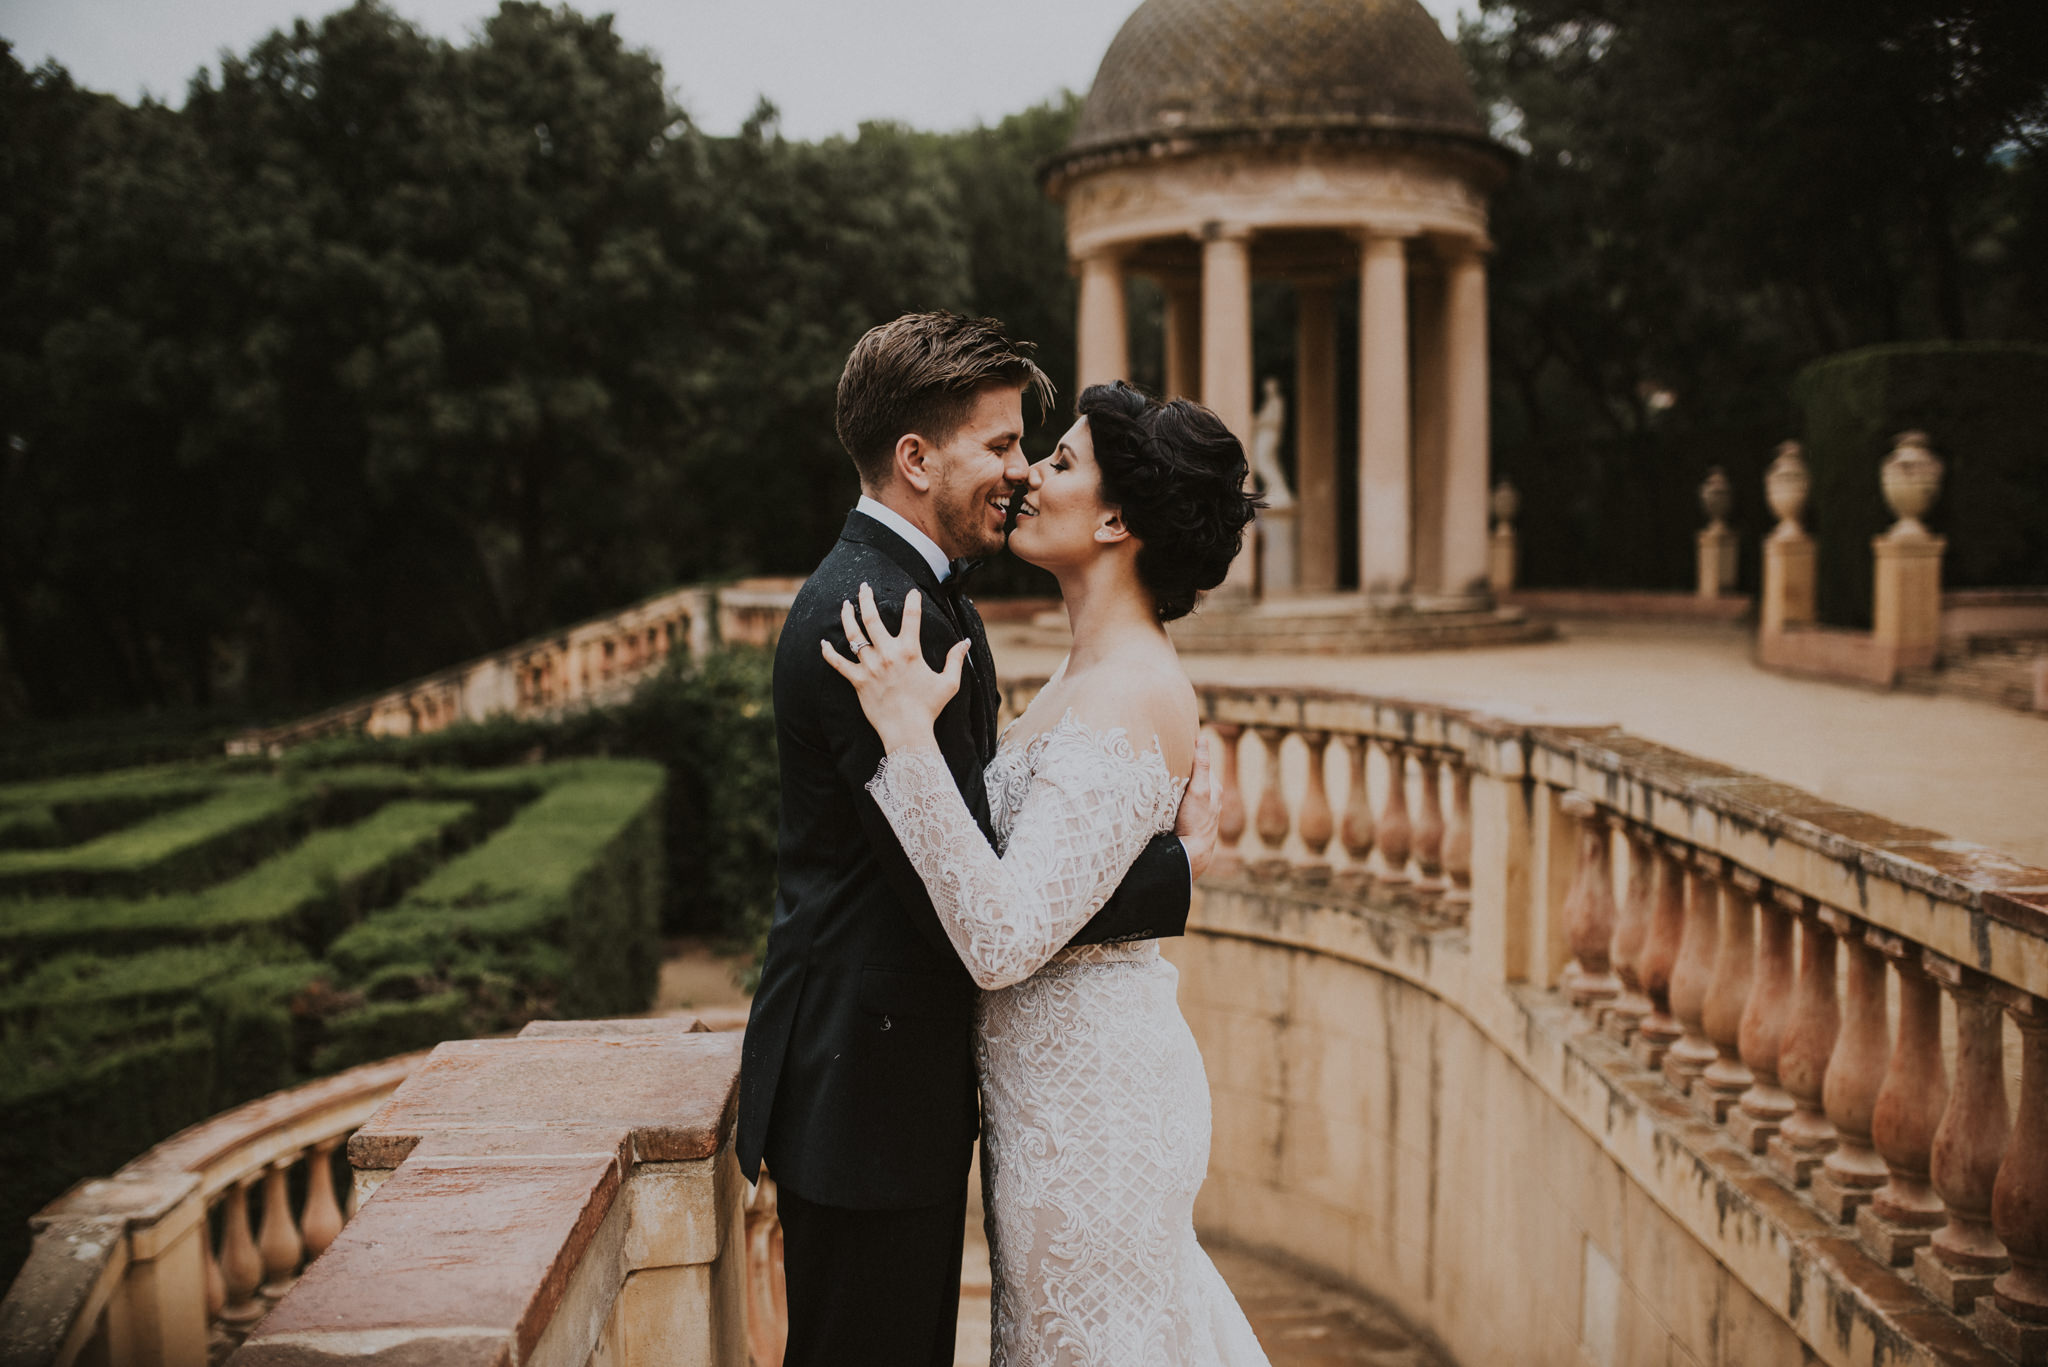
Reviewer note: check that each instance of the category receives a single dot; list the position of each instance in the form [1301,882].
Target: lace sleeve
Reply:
[1091,808]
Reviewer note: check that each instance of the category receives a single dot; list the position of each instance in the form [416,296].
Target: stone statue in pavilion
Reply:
[1269,424]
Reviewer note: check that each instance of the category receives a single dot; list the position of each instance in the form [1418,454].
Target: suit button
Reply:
[885,1023]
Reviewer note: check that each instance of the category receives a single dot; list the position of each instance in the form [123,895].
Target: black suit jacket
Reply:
[857,1082]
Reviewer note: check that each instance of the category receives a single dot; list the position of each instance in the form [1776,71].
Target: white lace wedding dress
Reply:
[1096,1107]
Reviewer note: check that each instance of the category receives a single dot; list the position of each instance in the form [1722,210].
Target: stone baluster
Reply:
[1316,824]
[2014,1317]
[1805,1136]
[1356,830]
[216,1286]
[1905,1212]
[278,1240]
[1429,826]
[1725,1079]
[1396,832]
[1853,1172]
[1230,807]
[1693,975]
[1589,908]
[241,1265]
[1274,820]
[1963,1257]
[1660,1029]
[320,1221]
[1631,935]
[1458,839]
[1765,1105]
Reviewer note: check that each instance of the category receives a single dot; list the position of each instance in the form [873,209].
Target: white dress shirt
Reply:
[941,563]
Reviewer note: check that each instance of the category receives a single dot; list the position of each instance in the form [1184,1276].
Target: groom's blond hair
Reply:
[922,373]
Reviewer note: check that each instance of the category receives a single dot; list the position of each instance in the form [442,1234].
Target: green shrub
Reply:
[1977,402]
[381,1029]
[307,894]
[564,899]
[712,727]
[185,847]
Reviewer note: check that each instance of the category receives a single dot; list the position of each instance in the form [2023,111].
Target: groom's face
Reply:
[974,473]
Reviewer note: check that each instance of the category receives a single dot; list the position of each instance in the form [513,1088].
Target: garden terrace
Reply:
[249,929]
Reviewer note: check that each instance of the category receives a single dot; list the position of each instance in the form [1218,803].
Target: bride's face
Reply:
[1062,519]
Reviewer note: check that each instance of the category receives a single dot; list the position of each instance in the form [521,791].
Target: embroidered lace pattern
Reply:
[1095,1101]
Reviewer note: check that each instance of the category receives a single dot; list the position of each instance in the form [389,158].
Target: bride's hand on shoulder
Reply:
[901,694]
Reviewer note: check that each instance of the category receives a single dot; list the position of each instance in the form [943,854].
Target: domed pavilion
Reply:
[1330,144]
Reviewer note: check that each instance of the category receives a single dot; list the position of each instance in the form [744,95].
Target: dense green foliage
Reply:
[1979,402]
[712,726]
[400,906]
[382,352]
[1715,194]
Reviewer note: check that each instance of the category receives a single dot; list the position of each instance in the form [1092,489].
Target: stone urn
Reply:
[1786,485]
[1911,479]
[1506,502]
[1717,497]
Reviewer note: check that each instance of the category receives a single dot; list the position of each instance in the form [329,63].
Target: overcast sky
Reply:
[827,64]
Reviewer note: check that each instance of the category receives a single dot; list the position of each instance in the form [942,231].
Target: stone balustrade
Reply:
[1779,967]
[171,1259]
[592,664]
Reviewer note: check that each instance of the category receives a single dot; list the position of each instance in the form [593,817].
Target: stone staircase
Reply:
[2009,671]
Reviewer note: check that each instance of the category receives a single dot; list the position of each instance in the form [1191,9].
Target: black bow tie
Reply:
[957,572]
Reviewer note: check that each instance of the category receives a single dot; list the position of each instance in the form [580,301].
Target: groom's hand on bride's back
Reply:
[1196,824]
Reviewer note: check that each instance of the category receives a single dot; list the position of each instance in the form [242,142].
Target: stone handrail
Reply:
[126,1269]
[1717,965]
[565,1197]
[593,663]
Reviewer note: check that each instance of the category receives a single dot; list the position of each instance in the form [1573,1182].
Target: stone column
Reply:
[1227,359]
[1907,610]
[1805,1136]
[1716,542]
[1905,1212]
[1589,909]
[1853,1172]
[1467,567]
[1660,1029]
[1396,830]
[1727,1077]
[1183,337]
[1788,550]
[1501,555]
[1631,936]
[1693,975]
[1385,572]
[1315,435]
[1104,327]
[1959,1263]
[1429,367]
[1765,1105]
[2014,1317]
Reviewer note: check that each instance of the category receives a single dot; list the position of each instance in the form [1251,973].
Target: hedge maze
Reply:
[176,940]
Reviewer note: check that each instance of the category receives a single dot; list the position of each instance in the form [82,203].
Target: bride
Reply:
[1096,1108]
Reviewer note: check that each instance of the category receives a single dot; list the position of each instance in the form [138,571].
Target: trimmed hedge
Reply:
[306,894]
[244,821]
[1977,402]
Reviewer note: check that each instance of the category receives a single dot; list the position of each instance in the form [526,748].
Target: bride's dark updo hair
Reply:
[1179,477]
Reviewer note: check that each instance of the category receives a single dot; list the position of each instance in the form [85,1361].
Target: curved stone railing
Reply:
[164,1262]
[1749,1002]
[594,663]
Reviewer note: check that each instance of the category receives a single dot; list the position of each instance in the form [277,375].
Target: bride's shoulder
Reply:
[1150,701]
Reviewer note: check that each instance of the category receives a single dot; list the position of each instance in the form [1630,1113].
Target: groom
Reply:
[858,1080]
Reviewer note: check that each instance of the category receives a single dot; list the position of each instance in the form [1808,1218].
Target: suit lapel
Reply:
[958,611]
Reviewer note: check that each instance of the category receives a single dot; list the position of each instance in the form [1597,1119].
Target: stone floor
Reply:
[1971,770]
[1300,1322]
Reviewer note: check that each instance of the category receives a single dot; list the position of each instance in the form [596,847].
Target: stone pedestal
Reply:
[1788,582]
[1838,1199]
[1890,1242]
[1500,560]
[1793,1165]
[1907,608]
[1956,1288]
[1753,1132]
[1717,546]
[2024,1341]
[1276,532]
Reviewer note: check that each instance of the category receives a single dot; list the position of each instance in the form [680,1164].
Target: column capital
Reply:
[1458,248]
[1109,253]
[1368,235]
[1216,230]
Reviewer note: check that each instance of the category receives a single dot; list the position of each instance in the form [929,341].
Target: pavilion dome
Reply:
[1274,69]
